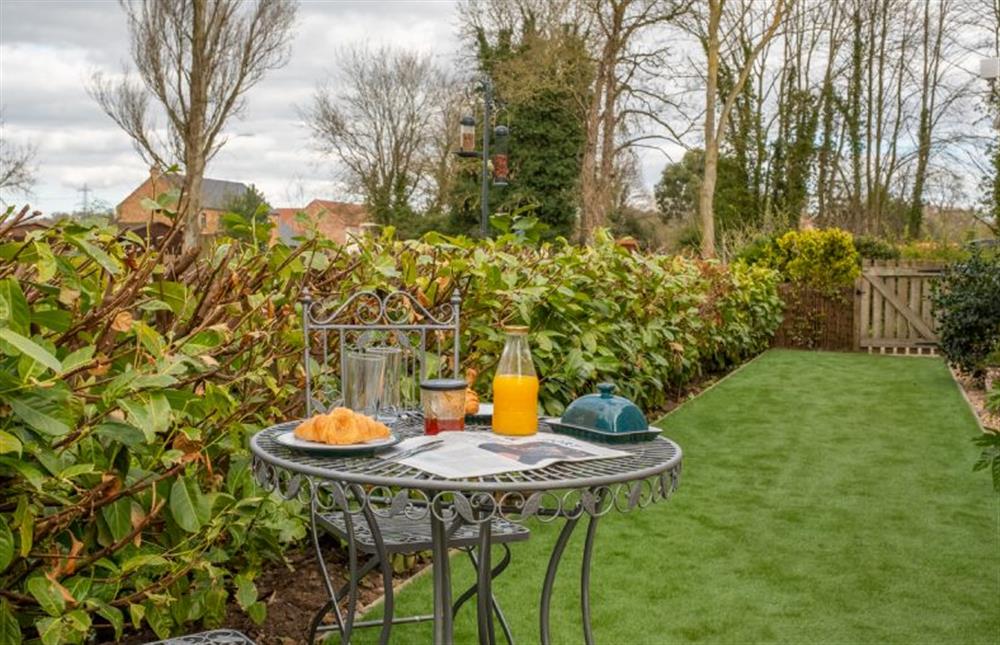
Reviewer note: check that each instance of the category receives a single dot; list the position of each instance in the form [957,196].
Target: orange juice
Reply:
[515,404]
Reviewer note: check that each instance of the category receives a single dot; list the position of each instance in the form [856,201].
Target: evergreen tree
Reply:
[538,79]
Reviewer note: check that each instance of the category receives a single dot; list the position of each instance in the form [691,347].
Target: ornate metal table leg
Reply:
[550,576]
[484,590]
[471,591]
[385,564]
[588,548]
[443,632]
[331,592]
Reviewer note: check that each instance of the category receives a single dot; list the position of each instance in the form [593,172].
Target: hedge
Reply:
[129,385]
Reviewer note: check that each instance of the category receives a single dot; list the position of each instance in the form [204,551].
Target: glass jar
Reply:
[443,401]
[515,387]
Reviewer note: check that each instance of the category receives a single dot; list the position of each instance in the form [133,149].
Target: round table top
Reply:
[645,459]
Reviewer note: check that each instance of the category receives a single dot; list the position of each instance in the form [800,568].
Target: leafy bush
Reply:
[127,390]
[129,384]
[967,302]
[933,250]
[870,247]
[823,259]
[989,457]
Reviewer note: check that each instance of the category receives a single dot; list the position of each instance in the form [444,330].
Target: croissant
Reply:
[471,401]
[471,398]
[340,427]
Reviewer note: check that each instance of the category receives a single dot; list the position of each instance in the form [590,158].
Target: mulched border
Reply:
[975,395]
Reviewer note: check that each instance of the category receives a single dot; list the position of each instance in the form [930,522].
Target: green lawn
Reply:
[825,498]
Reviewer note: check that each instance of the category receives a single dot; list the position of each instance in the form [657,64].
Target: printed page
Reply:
[476,454]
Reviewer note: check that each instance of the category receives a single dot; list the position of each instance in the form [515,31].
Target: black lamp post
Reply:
[467,148]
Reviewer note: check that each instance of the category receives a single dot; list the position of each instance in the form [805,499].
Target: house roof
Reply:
[349,213]
[216,194]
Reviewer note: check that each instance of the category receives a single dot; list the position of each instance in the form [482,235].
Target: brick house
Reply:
[337,221]
[216,195]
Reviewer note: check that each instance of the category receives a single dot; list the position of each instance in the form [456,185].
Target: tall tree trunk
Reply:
[706,197]
[194,138]
[931,45]
[853,116]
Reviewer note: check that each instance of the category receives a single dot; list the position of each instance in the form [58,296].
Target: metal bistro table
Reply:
[365,487]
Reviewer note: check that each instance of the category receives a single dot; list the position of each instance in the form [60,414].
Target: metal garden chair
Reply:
[430,345]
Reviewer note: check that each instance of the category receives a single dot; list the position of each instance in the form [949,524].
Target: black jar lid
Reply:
[442,384]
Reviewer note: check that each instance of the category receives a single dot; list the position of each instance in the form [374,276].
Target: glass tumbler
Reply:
[389,404]
[364,379]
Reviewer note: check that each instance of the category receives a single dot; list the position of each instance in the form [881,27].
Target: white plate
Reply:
[485,412]
[290,440]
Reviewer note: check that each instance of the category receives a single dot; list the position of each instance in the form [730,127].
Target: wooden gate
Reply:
[892,308]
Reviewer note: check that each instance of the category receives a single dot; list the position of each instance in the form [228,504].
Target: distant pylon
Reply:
[85,189]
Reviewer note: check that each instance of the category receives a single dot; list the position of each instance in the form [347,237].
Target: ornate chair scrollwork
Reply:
[430,343]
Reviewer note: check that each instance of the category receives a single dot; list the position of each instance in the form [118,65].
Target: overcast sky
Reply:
[50,48]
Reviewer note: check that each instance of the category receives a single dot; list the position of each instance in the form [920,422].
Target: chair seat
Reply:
[401,534]
[214,637]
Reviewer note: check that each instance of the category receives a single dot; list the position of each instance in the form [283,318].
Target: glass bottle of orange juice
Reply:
[515,387]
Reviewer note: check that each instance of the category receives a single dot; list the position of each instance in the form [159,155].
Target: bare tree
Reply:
[17,165]
[625,100]
[197,59]
[383,122]
[713,27]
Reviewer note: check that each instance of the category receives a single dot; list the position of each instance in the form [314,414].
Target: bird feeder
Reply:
[501,169]
[467,135]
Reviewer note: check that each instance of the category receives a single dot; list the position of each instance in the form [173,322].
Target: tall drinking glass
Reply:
[389,404]
[364,379]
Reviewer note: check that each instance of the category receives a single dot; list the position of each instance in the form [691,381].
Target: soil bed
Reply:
[293,594]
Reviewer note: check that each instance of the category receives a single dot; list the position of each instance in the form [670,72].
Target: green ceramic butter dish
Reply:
[604,417]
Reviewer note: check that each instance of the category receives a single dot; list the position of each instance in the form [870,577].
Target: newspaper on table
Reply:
[477,454]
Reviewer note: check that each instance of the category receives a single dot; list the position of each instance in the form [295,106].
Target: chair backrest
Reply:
[428,336]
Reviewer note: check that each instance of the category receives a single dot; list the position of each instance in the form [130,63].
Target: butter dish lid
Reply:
[605,412]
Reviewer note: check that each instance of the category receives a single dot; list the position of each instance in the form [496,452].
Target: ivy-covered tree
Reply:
[538,78]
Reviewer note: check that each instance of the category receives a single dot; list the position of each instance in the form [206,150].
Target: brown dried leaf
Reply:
[138,517]
[74,550]
[122,322]
[63,591]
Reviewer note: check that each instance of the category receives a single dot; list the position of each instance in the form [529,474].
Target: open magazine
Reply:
[476,454]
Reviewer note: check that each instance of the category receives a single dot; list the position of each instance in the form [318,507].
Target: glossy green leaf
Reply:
[28,411]
[10,631]
[246,591]
[48,597]
[144,560]
[97,254]
[77,358]
[51,631]
[136,613]
[55,319]
[14,312]
[9,443]
[159,619]
[114,617]
[31,349]
[118,515]
[183,507]
[6,545]
[257,612]
[150,413]
[174,294]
